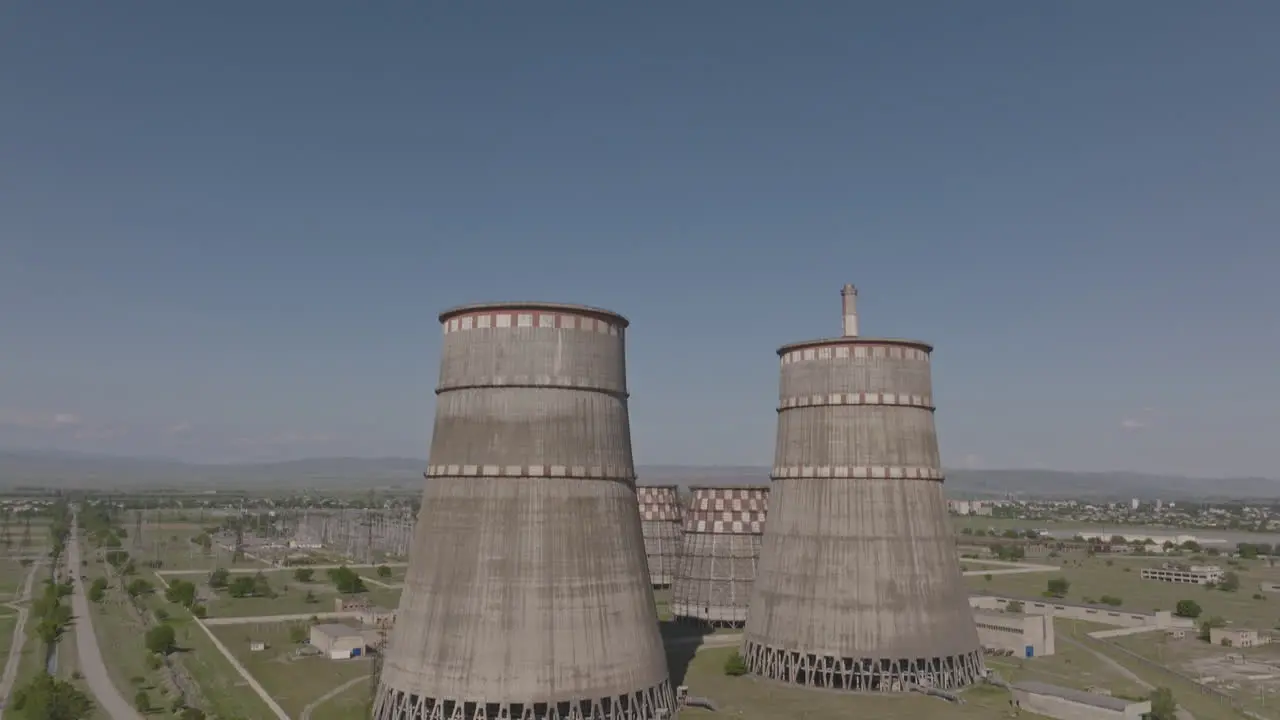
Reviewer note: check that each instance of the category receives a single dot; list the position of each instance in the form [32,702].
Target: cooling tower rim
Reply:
[860,340]
[696,488]
[669,486]
[598,313]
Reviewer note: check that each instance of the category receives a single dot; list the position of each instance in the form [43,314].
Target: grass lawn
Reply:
[352,702]
[1070,666]
[1092,578]
[227,694]
[12,575]
[753,699]
[290,680]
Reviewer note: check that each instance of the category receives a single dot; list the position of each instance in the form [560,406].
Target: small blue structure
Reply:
[1031,651]
[356,652]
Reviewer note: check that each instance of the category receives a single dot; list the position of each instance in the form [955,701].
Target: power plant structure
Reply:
[528,596]
[660,521]
[859,586]
[722,533]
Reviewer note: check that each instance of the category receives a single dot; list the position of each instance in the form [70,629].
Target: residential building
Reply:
[1237,637]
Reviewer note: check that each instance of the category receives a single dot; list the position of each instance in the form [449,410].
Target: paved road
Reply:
[95,672]
[235,571]
[19,638]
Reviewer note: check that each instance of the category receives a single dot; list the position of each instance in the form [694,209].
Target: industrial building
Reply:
[1069,704]
[1190,574]
[1015,634]
[722,531]
[528,594]
[1237,637]
[1102,614]
[337,642]
[660,521]
[859,586]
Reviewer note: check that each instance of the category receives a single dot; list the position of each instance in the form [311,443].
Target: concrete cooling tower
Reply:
[722,529]
[527,595]
[660,521]
[859,585]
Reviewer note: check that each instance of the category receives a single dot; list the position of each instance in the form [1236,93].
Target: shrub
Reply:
[1111,600]
[734,665]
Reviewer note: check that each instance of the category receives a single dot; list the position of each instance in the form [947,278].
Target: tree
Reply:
[142,701]
[1058,587]
[303,574]
[1187,609]
[1111,600]
[160,639]
[1230,582]
[47,698]
[192,714]
[1247,551]
[181,592]
[346,580]
[1163,706]
[139,587]
[218,578]
[384,571]
[1014,606]
[734,665]
[299,633]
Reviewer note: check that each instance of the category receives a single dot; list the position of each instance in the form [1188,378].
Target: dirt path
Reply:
[19,639]
[306,711]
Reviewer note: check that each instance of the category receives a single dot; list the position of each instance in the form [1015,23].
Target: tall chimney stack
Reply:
[849,295]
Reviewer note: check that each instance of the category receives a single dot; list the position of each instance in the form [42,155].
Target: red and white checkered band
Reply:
[541,319]
[658,503]
[725,523]
[657,495]
[858,398]
[875,472]
[857,352]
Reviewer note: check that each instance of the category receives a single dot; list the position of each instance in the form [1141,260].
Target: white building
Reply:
[1240,638]
[337,642]
[1133,504]
[1187,575]
[1017,634]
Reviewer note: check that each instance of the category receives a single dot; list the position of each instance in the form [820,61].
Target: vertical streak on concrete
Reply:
[527,594]
[859,585]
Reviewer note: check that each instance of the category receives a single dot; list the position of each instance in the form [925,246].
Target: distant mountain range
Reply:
[35,469]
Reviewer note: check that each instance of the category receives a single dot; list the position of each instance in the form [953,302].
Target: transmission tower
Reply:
[137,530]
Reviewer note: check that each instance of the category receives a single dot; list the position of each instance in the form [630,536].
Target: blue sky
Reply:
[226,228]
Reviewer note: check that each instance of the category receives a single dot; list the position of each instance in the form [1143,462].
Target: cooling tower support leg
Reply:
[863,674]
[654,703]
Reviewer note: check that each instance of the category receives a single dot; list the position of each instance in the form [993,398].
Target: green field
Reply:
[749,698]
[1093,577]
[292,681]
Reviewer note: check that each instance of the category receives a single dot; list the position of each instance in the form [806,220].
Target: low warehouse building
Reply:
[1015,633]
[337,642]
[1068,704]
[1237,637]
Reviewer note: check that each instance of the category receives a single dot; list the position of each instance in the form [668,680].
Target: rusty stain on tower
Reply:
[859,585]
[527,595]
[660,521]
[722,530]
